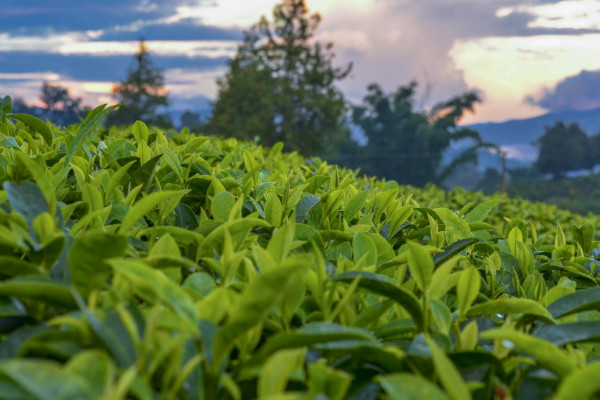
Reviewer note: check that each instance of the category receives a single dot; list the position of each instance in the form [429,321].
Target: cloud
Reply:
[521,152]
[578,92]
[89,67]
[185,29]
[226,13]
[395,41]
[33,16]
[190,80]
[581,14]
[78,43]
[448,46]
[188,88]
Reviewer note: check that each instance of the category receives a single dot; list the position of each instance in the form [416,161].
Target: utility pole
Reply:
[503,181]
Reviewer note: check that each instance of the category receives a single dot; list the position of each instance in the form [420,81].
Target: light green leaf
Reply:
[447,373]
[37,124]
[410,387]
[511,306]
[479,213]
[547,354]
[277,370]
[364,247]
[140,131]
[85,129]
[116,179]
[145,205]
[356,203]
[467,289]
[260,297]
[421,265]
[273,210]
[453,224]
[581,384]
[46,380]
[154,287]
[222,205]
[382,285]
[39,289]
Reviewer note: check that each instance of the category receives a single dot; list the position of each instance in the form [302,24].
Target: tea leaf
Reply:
[85,129]
[547,354]
[467,289]
[36,124]
[45,380]
[257,300]
[421,265]
[582,300]
[447,373]
[87,258]
[410,387]
[380,285]
[581,384]
[146,204]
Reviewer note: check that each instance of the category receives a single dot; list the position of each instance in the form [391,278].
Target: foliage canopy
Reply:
[142,92]
[141,264]
[564,148]
[281,85]
[406,145]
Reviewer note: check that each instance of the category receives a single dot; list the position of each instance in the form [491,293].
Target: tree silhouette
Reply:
[408,146]
[59,106]
[280,85]
[142,93]
[564,148]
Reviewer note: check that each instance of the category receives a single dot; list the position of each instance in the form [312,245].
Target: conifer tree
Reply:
[280,86]
[142,93]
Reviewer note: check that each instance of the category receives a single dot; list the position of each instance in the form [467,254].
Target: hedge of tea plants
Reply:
[142,264]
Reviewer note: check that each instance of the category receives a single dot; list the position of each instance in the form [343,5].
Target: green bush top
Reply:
[141,264]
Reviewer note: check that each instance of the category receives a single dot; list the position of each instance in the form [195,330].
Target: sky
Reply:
[524,57]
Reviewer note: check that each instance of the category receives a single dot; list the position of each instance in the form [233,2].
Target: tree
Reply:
[142,92]
[490,182]
[280,85]
[408,146]
[595,149]
[59,106]
[562,149]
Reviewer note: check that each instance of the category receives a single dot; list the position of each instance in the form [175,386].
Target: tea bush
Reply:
[141,264]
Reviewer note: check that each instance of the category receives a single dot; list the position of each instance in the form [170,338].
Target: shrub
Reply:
[141,264]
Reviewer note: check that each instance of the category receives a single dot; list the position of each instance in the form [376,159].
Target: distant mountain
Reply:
[517,136]
[526,131]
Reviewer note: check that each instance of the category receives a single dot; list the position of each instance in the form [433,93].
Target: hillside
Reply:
[579,194]
[142,264]
[519,134]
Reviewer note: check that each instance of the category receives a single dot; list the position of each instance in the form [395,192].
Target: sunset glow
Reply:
[512,68]
[507,53]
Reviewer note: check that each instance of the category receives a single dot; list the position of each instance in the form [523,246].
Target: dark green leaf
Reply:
[576,332]
[26,199]
[381,285]
[581,300]
[41,290]
[305,205]
[453,249]
[87,259]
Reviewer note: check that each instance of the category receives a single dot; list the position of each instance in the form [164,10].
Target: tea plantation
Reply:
[139,264]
